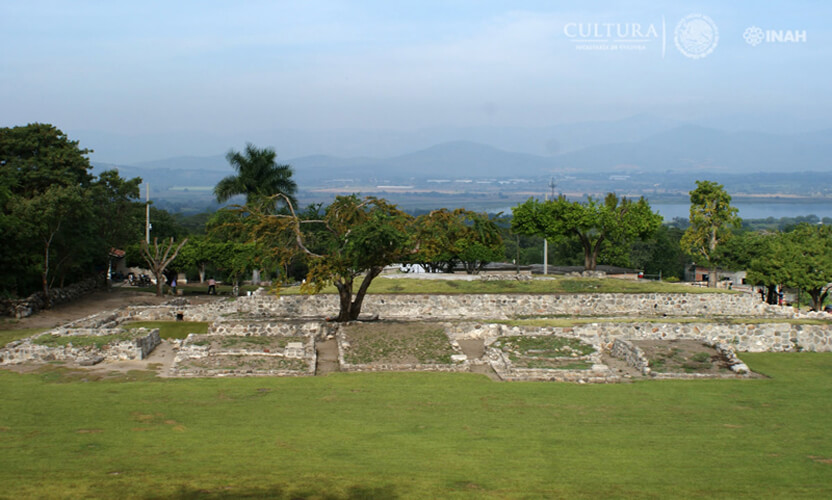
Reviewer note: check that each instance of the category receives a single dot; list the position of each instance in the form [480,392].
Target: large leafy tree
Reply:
[445,237]
[51,220]
[118,212]
[807,256]
[764,255]
[800,259]
[593,223]
[37,156]
[58,220]
[259,177]
[354,237]
[711,220]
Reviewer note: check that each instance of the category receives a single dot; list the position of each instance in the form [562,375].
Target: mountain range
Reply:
[679,148]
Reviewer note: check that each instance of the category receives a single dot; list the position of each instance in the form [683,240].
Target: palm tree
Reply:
[258,177]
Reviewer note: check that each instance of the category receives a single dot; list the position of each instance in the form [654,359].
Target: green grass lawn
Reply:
[420,435]
[171,329]
[7,336]
[552,285]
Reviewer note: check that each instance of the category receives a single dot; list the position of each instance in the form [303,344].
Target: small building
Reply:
[698,274]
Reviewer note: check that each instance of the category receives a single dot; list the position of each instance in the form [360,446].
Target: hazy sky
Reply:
[223,68]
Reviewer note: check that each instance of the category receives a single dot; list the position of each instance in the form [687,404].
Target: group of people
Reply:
[172,275]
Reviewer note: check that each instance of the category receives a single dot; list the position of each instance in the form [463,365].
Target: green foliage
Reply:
[259,177]
[807,256]
[352,238]
[592,223]
[445,237]
[58,221]
[38,156]
[711,217]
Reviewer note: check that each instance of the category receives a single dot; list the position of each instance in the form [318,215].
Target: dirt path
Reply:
[90,304]
[327,357]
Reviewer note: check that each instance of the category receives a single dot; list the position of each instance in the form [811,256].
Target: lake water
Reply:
[746,210]
[753,210]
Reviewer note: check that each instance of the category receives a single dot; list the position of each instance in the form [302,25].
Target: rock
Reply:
[91,361]
[740,368]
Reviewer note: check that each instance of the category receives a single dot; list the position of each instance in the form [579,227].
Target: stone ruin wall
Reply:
[507,306]
[763,337]
[27,306]
[25,350]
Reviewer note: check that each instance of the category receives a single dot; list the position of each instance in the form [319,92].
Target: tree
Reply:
[37,156]
[119,214]
[354,237]
[660,254]
[764,254]
[159,258]
[444,237]
[711,217]
[618,221]
[45,218]
[258,177]
[58,220]
[807,256]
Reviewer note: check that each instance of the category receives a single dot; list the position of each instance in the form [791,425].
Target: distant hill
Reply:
[685,148]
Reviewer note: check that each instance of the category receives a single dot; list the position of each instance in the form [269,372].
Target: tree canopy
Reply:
[259,177]
[711,218]
[444,237]
[353,237]
[613,220]
[58,220]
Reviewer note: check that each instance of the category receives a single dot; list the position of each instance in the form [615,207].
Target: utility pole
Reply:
[546,241]
[147,214]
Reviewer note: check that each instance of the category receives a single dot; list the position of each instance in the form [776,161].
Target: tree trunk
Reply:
[355,307]
[818,296]
[345,300]
[160,283]
[711,278]
[45,276]
[771,294]
[202,272]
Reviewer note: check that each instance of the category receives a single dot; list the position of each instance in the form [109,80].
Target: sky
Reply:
[222,71]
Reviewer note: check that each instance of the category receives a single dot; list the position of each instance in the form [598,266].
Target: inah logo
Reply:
[696,36]
[754,36]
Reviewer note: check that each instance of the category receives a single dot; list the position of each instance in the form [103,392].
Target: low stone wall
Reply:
[505,306]
[26,350]
[773,337]
[597,374]
[22,308]
[631,354]
[634,356]
[236,326]
[459,364]
[194,350]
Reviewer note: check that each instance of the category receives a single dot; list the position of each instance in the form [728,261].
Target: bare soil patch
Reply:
[397,343]
[682,356]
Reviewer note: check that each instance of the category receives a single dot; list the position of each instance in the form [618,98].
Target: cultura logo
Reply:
[754,35]
[696,36]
